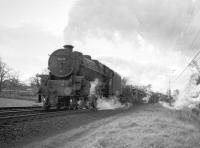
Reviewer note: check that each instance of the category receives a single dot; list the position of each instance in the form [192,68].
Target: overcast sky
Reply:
[30,30]
[142,40]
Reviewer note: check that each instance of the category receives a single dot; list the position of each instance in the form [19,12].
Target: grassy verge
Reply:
[14,96]
[188,115]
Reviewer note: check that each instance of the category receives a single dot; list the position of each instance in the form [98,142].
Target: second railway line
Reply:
[10,117]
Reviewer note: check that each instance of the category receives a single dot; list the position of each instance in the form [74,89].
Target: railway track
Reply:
[17,111]
[14,116]
[16,108]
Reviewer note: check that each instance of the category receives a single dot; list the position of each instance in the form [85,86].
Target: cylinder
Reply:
[68,47]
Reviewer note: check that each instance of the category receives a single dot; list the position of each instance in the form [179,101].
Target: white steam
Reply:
[136,38]
[102,102]
[109,103]
[166,105]
[146,99]
[190,96]
[161,22]
[93,85]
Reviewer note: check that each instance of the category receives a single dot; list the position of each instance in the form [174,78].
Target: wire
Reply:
[197,59]
[188,65]
[192,45]
[195,38]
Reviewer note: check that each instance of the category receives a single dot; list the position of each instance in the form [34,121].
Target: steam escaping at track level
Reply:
[109,103]
[104,103]
[190,96]
[93,85]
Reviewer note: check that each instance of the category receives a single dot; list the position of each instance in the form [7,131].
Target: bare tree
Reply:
[35,81]
[13,79]
[4,73]
[45,71]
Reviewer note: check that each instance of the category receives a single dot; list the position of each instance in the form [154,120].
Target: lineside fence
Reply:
[29,95]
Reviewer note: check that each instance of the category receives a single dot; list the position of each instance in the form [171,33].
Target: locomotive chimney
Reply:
[88,56]
[68,47]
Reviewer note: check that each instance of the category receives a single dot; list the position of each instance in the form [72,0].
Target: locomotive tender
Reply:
[69,81]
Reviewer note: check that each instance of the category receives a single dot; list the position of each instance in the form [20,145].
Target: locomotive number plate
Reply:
[61,59]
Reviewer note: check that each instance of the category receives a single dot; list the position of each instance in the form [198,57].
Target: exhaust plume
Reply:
[93,85]
[109,103]
[147,33]
[190,96]
[115,19]
[103,103]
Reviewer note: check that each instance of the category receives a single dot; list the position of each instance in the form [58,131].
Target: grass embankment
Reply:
[143,126]
[188,115]
[19,94]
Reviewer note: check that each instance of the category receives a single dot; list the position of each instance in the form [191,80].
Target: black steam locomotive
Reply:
[69,80]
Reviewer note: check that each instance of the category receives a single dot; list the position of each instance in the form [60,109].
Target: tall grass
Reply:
[188,115]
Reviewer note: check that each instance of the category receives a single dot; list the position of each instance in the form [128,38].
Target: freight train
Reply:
[70,77]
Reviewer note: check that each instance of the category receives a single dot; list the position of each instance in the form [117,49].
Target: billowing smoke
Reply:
[154,36]
[109,103]
[93,85]
[166,105]
[146,99]
[190,96]
[164,23]
[102,102]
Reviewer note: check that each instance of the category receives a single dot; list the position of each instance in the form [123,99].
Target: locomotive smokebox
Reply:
[68,47]
[61,62]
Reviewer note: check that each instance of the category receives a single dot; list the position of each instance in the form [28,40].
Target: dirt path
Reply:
[151,126]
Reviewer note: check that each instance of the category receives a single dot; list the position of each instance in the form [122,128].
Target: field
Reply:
[140,126]
[14,98]
[19,94]
[143,126]
[7,102]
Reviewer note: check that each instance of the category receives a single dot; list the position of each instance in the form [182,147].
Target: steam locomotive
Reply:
[70,77]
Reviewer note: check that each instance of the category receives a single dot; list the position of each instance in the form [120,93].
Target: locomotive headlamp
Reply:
[67,91]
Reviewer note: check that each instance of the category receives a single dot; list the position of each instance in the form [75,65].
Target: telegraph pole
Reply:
[169,87]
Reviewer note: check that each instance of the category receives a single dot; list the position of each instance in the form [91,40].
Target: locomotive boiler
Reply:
[69,80]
